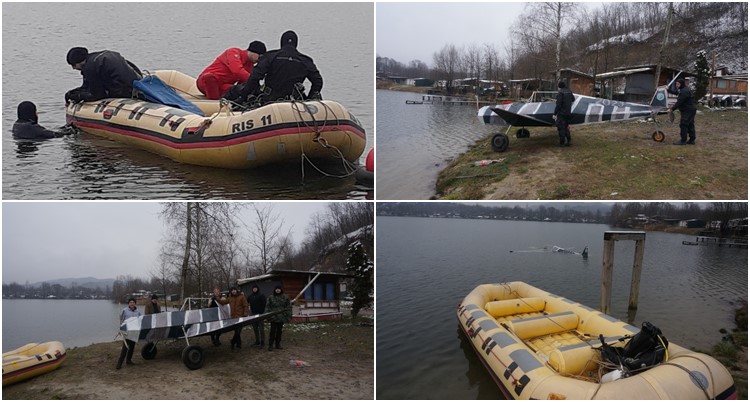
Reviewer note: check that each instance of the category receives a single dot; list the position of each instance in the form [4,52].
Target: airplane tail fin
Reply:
[660,98]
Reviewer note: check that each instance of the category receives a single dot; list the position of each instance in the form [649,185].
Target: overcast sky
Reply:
[414,31]
[54,240]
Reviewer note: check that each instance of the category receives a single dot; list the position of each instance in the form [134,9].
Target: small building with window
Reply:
[318,294]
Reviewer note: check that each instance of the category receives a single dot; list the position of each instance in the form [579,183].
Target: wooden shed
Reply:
[577,82]
[635,83]
[318,294]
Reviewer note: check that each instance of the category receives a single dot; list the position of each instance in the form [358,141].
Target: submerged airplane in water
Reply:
[182,325]
[585,110]
[557,249]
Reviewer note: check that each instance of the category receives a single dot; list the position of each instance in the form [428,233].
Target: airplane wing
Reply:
[178,324]
[515,119]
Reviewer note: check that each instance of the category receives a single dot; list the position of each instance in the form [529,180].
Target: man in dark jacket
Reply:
[106,74]
[686,105]
[562,114]
[27,126]
[257,302]
[153,306]
[282,70]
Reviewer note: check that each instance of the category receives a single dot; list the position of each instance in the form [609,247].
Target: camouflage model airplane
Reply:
[585,110]
[182,325]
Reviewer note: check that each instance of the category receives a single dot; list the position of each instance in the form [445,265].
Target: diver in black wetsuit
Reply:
[27,126]
[283,71]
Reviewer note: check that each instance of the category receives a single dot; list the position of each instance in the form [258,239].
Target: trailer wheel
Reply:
[500,142]
[192,356]
[148,352]
[658,136]
[523,133]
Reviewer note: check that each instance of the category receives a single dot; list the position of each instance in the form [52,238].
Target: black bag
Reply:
[645,349]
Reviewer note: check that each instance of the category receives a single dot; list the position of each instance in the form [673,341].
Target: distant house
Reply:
[420,82]
[318,293]
[635,83]
[728,89]
[693,223]
[523,88]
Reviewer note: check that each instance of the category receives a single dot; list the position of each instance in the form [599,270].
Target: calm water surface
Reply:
[72,322]
[426,266]
[416,141]
[185,37]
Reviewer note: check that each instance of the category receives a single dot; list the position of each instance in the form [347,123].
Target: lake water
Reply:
[426,266]
[416,141]
[72,322]
[181,36]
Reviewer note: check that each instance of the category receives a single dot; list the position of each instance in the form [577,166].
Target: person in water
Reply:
[282,70]
[27,126]
[106,74]
[232,66]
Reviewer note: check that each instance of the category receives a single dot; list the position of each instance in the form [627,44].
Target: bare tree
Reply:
[266,236]
[447,62]
[543,27]
[490,61]
[204,227]
[473,62]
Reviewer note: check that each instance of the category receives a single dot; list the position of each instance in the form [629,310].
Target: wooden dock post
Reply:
[608,257]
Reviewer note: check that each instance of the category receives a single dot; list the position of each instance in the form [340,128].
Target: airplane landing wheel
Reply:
[523,133]
[658,136]
[499,142]
[148,351]
[192,356]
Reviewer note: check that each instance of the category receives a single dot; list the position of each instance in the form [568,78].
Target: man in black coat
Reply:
[686,105]
[562,114]
[257,302]
[106,74]
[282,70]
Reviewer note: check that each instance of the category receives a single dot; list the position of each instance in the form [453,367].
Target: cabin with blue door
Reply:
[318,294]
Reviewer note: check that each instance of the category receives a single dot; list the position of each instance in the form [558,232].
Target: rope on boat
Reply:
[349,167]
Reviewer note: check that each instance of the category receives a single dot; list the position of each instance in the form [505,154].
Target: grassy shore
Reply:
[732,351]
[609,161]
[340,355]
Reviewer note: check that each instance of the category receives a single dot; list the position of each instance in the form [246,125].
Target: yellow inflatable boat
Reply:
[31,360]
[537,345]
[278,132]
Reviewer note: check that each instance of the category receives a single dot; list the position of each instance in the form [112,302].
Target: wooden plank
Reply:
[607,264]
[635,282]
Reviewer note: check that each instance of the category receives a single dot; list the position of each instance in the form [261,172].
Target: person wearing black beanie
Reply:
[27,126]
[284,71]
[562,114]
[106,74]
[686,105]
[232,66]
